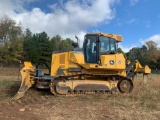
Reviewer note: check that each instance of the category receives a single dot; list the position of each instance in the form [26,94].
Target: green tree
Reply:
[147,54]
[58,43]
[55,42]
[119,50]
[37,47]
[44,48]
[152,54]
[138,53]
[29,46]
[11,40]
[134,53]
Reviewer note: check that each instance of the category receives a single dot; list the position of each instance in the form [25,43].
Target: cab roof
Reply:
[117,37]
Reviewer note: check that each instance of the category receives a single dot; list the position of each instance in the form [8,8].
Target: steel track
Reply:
[121,87]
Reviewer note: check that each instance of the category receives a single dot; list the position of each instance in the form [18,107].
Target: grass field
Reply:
[142,103]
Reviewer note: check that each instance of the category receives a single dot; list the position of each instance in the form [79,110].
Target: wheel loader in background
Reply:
[96,68]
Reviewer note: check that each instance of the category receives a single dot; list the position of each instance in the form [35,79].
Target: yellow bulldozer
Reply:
[95,68]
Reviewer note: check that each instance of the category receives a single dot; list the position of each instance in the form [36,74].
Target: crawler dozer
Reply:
[96,68]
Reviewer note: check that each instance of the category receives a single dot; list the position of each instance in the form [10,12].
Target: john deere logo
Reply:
[119,61]
[111,62]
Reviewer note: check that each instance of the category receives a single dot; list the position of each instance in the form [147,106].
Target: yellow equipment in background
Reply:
[96,68]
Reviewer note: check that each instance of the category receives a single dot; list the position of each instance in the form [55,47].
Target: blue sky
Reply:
[137,20]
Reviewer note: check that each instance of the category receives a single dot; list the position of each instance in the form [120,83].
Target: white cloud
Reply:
[133,2]
[155,38]
[30,1]
[126,48]
[131,21]
[67,19]
[8,7]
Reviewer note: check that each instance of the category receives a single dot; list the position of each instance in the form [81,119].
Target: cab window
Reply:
[90,49]
[107,45]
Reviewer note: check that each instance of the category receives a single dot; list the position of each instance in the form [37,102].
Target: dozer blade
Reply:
[26,83]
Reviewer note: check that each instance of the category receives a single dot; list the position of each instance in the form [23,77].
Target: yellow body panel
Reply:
[72,59]
[66,60]
[118,59]
[76,57]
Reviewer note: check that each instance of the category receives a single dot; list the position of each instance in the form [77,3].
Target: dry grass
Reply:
[142,103]
[9,71]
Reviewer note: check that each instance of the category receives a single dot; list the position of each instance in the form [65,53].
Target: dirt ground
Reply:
[142,103]
[37,105]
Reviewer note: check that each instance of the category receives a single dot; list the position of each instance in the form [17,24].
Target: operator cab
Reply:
[99,44]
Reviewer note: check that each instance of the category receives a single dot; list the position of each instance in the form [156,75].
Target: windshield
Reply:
[107,45]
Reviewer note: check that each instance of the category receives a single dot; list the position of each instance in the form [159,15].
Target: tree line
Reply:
[17,45]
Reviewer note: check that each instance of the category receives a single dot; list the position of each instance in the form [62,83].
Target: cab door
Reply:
[90,49]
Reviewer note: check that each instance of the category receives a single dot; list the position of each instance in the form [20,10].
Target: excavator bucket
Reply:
[27,73]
